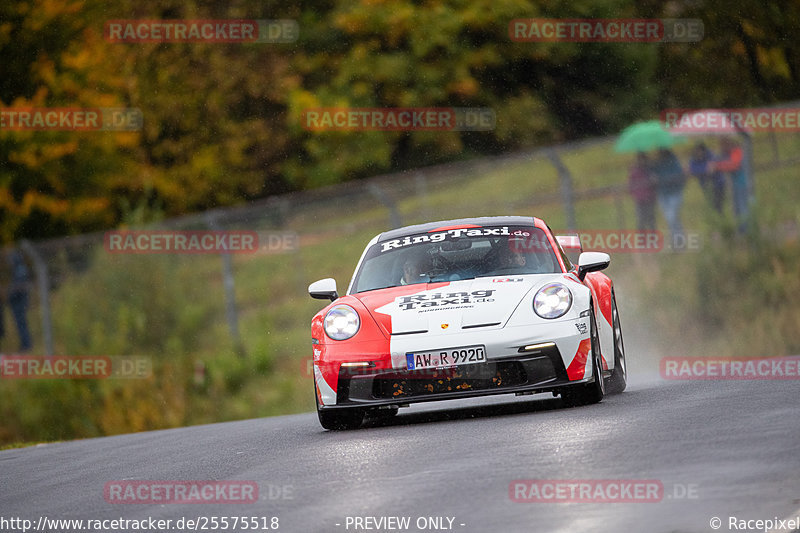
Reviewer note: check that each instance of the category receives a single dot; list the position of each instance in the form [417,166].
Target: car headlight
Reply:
[342,322]
[552,301]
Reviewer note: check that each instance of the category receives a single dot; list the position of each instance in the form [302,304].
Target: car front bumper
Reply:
[550,362]
[536,372]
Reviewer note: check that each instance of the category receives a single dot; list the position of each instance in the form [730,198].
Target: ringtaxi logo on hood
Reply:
[440,299]
[454,233]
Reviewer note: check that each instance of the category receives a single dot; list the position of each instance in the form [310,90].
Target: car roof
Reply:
[447,224]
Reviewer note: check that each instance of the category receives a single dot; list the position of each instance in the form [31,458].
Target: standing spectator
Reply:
[641,185]
[701,166]
[2,319]
[18,297]
[731,161]
[670,181]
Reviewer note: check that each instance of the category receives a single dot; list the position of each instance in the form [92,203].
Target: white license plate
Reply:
[468,355]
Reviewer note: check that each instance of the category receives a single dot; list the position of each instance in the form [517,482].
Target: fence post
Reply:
[230,292]
[773,139]
[421,182]
[380,194]
[43,288]
[620,208]
[565,178]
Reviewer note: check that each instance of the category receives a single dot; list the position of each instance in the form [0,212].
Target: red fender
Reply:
[601,287]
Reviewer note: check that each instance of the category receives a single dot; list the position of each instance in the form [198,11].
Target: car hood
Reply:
[466,304]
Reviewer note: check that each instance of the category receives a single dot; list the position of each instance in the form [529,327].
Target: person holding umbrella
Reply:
[666,169]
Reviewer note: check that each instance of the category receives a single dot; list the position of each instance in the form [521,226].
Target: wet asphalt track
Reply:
[734,446]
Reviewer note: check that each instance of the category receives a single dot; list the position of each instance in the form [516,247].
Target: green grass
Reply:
[15,445]
[171,308]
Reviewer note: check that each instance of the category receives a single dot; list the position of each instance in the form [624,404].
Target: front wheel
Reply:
[619,376]
[588,393]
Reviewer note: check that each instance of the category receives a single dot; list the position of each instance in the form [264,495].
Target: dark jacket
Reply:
[641,185]
[670,178]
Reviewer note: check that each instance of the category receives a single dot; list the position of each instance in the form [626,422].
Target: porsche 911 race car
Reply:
[465,308]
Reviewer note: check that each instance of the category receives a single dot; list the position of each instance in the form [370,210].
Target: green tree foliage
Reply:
[55,182]
[222,122]
[444,53]
[749,55]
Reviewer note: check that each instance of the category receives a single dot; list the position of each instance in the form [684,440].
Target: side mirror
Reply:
[324,289]
[592,262]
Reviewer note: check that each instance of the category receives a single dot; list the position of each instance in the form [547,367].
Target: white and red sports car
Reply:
[465,308]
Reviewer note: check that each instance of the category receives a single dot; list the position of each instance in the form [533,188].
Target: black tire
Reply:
[619,376]
[339,419]
[592,392]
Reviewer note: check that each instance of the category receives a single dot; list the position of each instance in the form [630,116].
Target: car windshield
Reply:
[456,254]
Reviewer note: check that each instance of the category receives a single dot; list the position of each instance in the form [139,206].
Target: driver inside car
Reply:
[413,269]
[512,258]
[506,258]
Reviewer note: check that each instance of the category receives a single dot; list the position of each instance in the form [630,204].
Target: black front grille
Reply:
[472,377]
[385,385]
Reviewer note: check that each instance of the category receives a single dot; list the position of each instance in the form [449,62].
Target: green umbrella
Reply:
[644,136]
